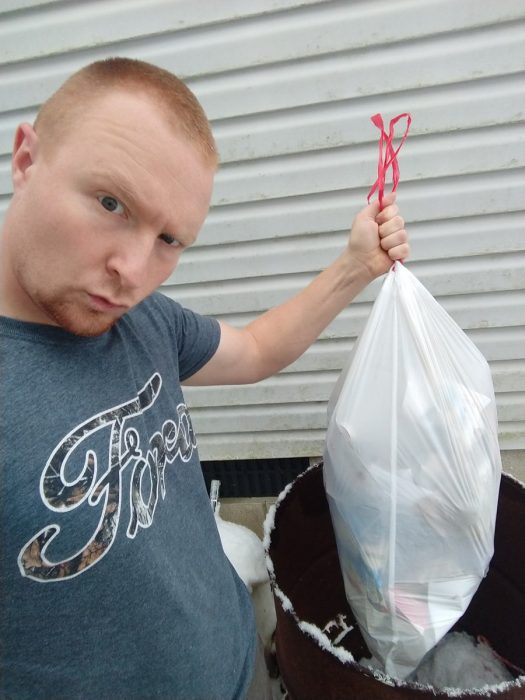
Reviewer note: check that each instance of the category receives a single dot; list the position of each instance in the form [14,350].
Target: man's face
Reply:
[100,220]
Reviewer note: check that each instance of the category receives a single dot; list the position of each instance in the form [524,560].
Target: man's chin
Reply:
[82,322]
[90,331]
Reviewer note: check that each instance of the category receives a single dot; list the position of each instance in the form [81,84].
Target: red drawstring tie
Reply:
[389,157]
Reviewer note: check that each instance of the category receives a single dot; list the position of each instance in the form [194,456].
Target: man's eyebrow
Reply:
[121,186]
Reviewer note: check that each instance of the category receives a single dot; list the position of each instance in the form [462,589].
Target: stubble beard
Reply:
[75,319]
[60,308]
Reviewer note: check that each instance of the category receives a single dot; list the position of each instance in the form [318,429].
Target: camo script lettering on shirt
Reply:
[175,439]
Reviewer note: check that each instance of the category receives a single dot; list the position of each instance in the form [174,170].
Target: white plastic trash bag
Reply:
[412,470]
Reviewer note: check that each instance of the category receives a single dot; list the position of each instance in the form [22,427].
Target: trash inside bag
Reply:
[412,472]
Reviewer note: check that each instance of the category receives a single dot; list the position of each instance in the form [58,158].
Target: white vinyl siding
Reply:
[290,87]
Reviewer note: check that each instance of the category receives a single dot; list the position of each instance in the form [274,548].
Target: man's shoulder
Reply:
[158,300]
[155,309]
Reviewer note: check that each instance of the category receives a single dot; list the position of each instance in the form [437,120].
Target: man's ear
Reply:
[24,153]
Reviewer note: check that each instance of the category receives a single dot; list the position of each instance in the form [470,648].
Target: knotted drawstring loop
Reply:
[387,154]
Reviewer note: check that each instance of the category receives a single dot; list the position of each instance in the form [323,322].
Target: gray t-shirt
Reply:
[114,584]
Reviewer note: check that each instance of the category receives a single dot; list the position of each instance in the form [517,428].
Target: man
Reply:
[114,582]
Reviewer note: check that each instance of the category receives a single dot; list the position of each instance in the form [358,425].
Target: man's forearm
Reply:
[283,333]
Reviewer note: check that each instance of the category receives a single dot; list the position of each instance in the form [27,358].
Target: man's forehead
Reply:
[122,110]
[128,127]
[114,114]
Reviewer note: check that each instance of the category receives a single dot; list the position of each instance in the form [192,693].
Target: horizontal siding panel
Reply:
[465,237]
[311,387]
[289,429]
[56,53]
[298,443]
[511,406]
[509,376]
[499,343]
[323,28]
[277,417]
[88,24]
[307,443]
[301,416]
[356,166]
[455,57]
[477,311]
[282,388]
[425,200]
[326,27]
[511,435]
[9,6]
[308,128]
[436,61]
[494,343]
[468,236]
[487,273]
[491,310]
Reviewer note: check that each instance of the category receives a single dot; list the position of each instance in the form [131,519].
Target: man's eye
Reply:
[169,239]
[111,204]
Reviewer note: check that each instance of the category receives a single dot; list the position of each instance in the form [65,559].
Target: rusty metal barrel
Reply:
[317,638]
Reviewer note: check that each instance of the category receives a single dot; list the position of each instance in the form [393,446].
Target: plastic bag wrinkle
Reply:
[412,471]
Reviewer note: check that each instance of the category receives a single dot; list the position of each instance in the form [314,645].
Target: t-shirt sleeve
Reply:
[198,338]
[194,338]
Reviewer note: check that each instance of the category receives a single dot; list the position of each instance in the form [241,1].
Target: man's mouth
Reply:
[105,304]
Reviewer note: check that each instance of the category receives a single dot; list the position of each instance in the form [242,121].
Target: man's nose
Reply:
[129,261]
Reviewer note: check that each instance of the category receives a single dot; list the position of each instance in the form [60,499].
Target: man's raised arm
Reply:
[281,335]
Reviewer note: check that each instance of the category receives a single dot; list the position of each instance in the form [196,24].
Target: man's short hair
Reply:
[180,106]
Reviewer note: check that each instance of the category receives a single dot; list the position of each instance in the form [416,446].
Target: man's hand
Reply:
[378,237]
